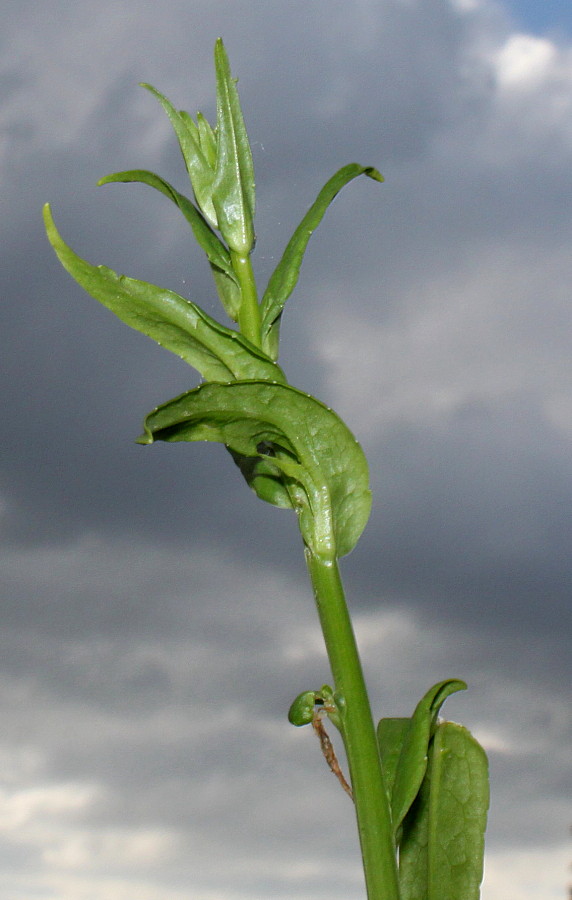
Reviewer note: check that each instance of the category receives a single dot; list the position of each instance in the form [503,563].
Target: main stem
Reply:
[249,313]
[371,802]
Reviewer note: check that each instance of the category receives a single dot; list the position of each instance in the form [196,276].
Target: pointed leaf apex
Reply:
[372,172]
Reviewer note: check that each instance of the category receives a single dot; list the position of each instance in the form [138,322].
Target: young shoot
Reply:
[419,785]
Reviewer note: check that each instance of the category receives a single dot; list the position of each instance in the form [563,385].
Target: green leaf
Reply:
[390,737]
[264,479]
[207,139]
[412,761]
[217,254]
[442,849]
[187,120]
[233,193]
[284,278]
[200,172]
[229,292]
[403,744]
[319,468]
[180,326]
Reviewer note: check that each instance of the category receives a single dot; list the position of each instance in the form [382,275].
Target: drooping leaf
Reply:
[200,172]
[233,192]
[442,848]
[217,254]
[412,762]
[214,248]
[285,276]
[318,466]
[176,323]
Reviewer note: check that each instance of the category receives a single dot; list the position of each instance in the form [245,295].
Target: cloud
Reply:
[527,875]
[144,747]
[145,743]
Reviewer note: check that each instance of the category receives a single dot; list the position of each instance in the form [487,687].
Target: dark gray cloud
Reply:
[156,621]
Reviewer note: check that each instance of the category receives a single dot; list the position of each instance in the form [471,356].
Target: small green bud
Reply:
[302,710]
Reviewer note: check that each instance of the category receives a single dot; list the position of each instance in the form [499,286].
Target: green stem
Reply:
[249,313]
[371,802]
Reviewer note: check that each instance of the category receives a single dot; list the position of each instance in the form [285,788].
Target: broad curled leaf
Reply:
[408,747]
[316,464]
[285,276]
[176,323]
[442,848]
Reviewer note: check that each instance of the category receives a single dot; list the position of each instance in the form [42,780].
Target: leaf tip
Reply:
[372,172]
[49,224]
[150,88]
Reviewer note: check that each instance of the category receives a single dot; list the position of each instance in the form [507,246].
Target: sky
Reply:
[156,619]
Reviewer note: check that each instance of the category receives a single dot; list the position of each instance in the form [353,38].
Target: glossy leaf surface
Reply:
[318,467]
[233,187]
[216,252]
[284,278]
[441,852]
[176,323]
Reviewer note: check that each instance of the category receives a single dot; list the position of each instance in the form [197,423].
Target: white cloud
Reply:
[532,105]
[527,874]
[112,848]
[525,62]
[36,804]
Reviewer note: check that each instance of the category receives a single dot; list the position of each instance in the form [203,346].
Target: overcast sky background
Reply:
[156,619]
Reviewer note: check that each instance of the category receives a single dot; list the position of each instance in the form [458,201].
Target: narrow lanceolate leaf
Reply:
[284,278]
[200,172]
[412,762]
[218,353]
[317,466]
[233,192]
[442,849]
[217,254]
